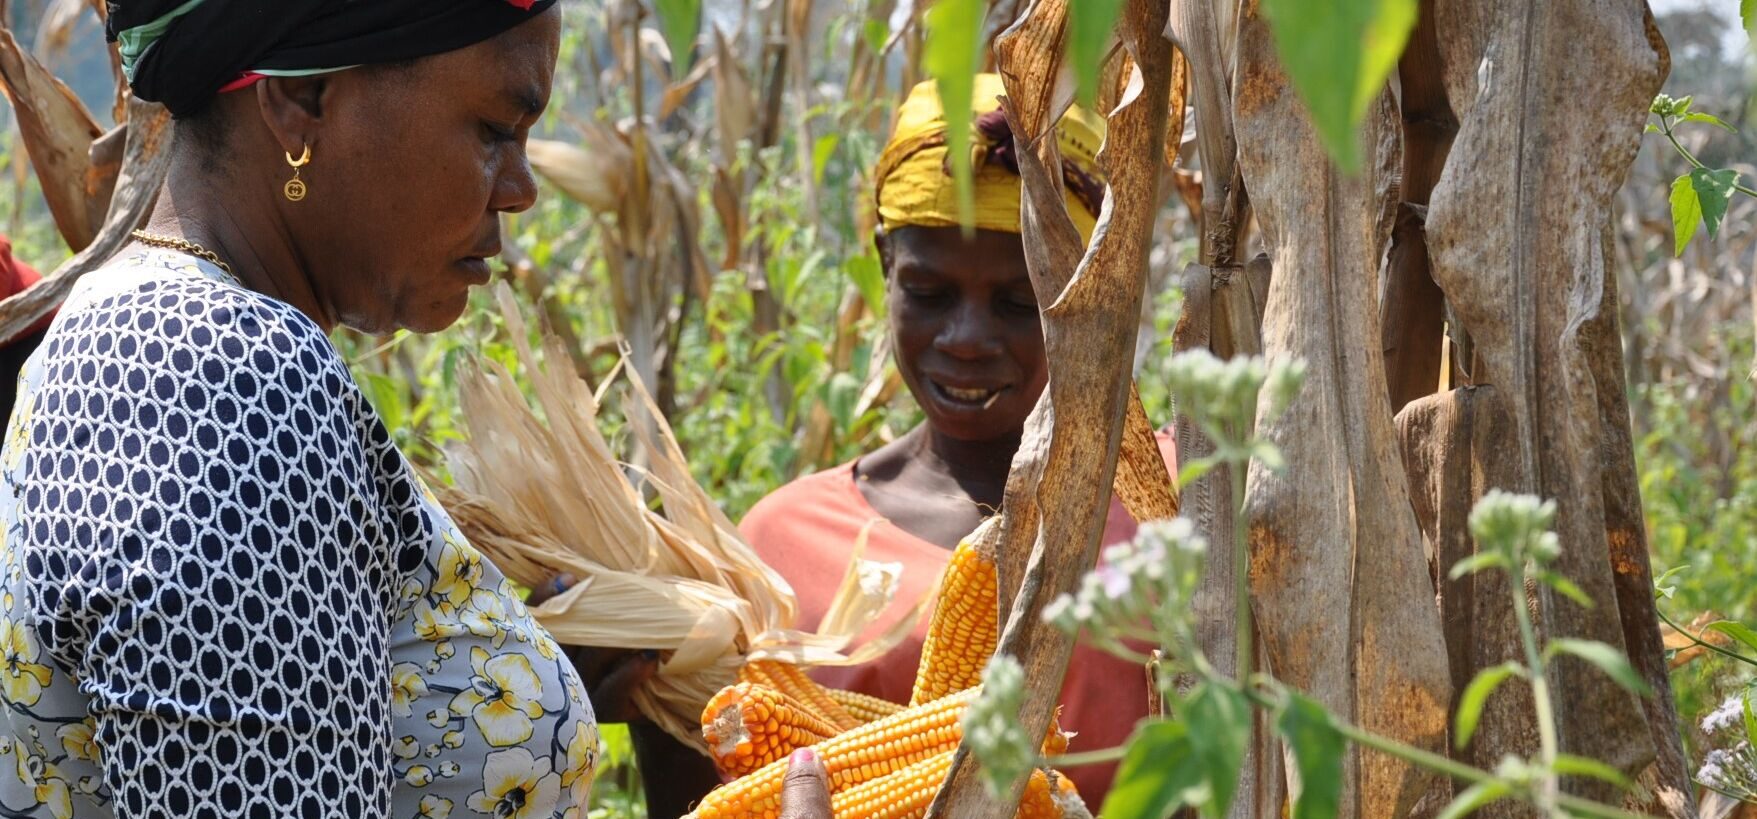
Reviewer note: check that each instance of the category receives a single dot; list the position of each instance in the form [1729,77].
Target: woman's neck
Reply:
[979,467]
[247,235]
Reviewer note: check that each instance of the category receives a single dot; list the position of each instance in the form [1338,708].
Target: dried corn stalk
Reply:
[58,133]
[541,497]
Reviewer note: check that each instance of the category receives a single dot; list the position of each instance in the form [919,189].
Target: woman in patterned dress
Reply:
[223,591]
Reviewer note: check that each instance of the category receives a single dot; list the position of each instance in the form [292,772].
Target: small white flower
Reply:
[1730,713]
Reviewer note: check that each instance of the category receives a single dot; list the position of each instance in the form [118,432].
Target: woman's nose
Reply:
[515,189]
[969,332]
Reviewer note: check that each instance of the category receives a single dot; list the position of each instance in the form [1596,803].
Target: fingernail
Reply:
[803,756]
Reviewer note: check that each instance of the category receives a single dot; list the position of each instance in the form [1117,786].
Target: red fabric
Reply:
[15,276]
[805,529]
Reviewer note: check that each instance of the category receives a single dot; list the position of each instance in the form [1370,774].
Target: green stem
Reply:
[1097,757]
[1241,574]
[1699,641]
[1446,765]
[1665,127]
[1540,687]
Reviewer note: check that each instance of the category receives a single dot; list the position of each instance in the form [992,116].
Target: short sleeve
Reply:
[200,560]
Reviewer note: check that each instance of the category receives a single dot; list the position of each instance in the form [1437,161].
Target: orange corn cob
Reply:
[965,626]
[907,793]
[748,726]
[863,707]
[791,680]
[851,758]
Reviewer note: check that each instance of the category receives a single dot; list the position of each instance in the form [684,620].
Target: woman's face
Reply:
[964,318]
[410,171]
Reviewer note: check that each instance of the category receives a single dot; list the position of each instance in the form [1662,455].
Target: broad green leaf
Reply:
[1583,766]
[1565,586]
[875,32]
[1750,716]
[821,151]
[869,277]
[1608,659]
[1714,189]
[1660,589]
[1748,14]
[1338,55]
[1318,749]
[952,57]
[1476,563]
[1476,695]
[1686,213]
[1157,773]
[1090,23]
[1737,631]
[1653,129]
[1475,797]
[1681,105]
[678,22]
[1194,470]
[1220,728]
[1711,119]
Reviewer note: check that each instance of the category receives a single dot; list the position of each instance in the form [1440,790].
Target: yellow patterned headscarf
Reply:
[915,185]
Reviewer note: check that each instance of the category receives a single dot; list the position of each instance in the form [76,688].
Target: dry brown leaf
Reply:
[1089,335]
[594,173]
[734,101]
[58,133]
[541,497]
[144,163]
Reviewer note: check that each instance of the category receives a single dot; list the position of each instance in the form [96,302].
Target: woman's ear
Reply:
[292,108]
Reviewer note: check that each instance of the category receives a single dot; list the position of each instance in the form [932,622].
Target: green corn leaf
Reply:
[1157,773]
[1572,765]
[1090,23]
[1714,189]
[869,278]
[1475,797]
[1220,728]
[1750,716]
[1748,14]
[1686,213]
[678,22]
[952,56]
[1608,659]
[1318,749]
[821,151]
[1338,55]
[1476,695]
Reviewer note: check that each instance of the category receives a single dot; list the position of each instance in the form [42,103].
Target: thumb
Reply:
[805,792]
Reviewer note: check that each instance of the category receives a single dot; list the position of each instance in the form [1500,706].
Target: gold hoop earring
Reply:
[295,188]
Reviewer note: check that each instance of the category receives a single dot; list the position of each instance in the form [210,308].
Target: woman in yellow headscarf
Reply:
[969,345]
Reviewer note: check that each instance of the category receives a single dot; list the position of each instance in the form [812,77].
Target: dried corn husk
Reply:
[542,495]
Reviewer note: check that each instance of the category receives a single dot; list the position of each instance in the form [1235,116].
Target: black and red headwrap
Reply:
[183,52]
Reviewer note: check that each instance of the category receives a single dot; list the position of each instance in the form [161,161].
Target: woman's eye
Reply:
[1020,306]
[497,133]
[924,293]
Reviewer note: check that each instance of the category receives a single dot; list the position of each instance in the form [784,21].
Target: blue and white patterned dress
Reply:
[224,592]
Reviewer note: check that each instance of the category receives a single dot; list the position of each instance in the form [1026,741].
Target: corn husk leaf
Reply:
[541,492]
[58,132]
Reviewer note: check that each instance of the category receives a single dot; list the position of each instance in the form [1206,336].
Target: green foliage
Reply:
[679,20]
[953,56]
[1090,26]
[1220,731]
[1158,773]
[1476,695]
[1318,749]
[1700,197]
[1338,55]
[1608,659]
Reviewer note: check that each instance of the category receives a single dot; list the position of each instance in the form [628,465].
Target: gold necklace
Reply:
[191,248]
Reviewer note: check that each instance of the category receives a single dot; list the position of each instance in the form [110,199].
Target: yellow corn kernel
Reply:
[966,622]
[852,757]
[747,726]
[863,707]
[908,793]
[791,680]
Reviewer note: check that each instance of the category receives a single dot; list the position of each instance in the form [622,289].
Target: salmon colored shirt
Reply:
[805,529]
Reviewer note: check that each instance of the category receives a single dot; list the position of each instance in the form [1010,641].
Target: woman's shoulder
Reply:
[812,500]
